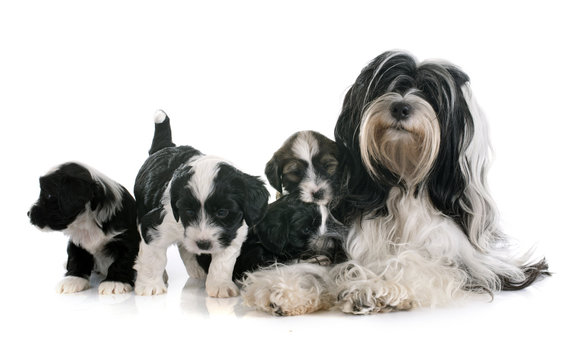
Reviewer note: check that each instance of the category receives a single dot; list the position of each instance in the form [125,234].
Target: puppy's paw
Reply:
[195,271]
[148,289]
[221,289]
[72,284]
[114,288]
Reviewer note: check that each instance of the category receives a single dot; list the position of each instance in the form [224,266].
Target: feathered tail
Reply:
[162,133]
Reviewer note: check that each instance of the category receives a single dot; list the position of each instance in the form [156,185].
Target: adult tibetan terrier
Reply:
[424,228]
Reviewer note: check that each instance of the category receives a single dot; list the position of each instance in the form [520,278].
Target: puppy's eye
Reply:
[222,213]
[189,213]
[293,176]
[307,231]
[330,167]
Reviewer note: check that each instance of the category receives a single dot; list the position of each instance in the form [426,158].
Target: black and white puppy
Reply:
[98,215]
[201,203]
[307,163]
[291,231]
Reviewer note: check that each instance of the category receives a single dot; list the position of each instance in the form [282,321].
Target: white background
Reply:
[81,81]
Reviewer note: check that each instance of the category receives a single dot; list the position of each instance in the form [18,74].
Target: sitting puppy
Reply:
[98,215]
[200,202]
[306,163]
[291,231]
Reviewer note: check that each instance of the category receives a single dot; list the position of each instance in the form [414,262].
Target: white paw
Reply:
[221,289]
[287,290]
[113,288]
[147,289]
[195,271]
[72,284]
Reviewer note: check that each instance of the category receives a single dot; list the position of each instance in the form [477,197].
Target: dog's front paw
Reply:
[283,292]
[113,288]
[72,284]
[221,289]
[148,289]
[374,297]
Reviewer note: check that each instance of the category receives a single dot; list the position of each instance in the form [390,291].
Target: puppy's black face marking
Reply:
[291,230]
[211,199]
[307,163]
[289,226]
[98,215]
[64,195]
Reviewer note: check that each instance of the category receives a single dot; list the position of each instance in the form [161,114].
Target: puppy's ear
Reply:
[177,186]
[273,173]
[175,211]
[75,193]
[255,200]
[272,236]
[97,196]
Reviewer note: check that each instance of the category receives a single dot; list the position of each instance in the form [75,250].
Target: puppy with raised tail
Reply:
[98,215]
[200,202]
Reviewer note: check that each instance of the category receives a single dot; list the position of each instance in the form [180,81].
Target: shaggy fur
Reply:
[98,216]
[200,202]
[307,164]
[424,227]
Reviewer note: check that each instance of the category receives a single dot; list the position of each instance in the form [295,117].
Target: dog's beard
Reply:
[406,148]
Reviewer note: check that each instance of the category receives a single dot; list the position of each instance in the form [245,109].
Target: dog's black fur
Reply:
[288,171]
[200,202]
[168,163]
[72,192]
[289,232]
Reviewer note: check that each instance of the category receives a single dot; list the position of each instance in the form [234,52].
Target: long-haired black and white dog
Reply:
[306,163]
[424,228]
[99,216]
[201,203]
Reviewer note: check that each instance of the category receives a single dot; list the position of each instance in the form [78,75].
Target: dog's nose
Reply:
[203,244]
[400,110]
[319,194]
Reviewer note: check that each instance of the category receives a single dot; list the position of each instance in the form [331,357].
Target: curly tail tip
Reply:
[160,116]
[532,273]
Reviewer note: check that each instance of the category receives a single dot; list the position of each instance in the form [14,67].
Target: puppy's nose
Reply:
[319,194]
[400,110]
[29,212]
[203,244]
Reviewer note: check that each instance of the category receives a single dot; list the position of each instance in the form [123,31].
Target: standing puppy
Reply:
[307,163]
[98,215]
[201,203]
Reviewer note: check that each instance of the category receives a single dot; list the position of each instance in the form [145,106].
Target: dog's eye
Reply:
[222,213]
[307,231]
[330,167]
[189,213]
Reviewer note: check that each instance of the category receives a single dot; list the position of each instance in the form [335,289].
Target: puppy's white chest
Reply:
[84,232]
